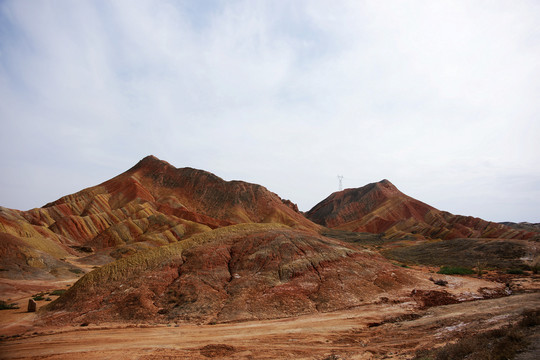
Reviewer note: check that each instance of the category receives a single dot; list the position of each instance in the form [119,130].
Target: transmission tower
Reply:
[340,178]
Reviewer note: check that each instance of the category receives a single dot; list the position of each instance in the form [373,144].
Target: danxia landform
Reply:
[381,208]
[164,244]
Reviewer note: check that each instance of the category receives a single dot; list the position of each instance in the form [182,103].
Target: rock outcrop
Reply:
[32,305]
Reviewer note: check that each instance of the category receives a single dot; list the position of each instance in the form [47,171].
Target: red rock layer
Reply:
[243,272]
[187,193]
[382,208]
[154,203]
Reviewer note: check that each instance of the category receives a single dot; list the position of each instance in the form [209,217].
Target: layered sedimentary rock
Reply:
[240,272]
[382,208]
[151,204]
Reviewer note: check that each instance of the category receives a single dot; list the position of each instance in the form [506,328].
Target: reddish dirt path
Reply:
[345,334]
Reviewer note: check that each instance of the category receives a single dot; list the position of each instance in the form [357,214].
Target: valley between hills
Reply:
[162,262]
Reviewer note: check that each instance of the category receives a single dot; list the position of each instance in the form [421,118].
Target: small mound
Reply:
[217,350]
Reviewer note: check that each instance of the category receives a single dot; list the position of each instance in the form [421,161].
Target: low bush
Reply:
[530,318]
[57,292]
[6,306]
[455,270]
[514,271]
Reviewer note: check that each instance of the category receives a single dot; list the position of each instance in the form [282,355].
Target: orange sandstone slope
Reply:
[381,208]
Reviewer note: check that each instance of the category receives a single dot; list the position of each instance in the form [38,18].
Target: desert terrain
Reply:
[373,331]
[168,263]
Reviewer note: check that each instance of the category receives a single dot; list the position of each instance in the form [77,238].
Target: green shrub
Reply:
[38,297]
[514,271]
[455,270]
[5,306]
[58,292]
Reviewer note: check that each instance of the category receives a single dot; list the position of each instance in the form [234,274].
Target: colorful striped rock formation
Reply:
[382,208]
[235,273]
[151,204]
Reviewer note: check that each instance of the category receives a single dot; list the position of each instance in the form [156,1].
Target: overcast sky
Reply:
[442,98]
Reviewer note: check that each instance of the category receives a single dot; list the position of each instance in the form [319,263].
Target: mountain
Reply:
[151,204]
[381,208]
[185,193]
[169,244]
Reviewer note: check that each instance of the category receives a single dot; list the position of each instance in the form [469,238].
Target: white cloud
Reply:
[435,96]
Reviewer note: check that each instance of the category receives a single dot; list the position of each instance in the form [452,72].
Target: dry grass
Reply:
[496,254]
[499,344]
[365,239]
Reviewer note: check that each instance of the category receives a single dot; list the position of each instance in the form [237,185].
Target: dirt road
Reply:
[374,331]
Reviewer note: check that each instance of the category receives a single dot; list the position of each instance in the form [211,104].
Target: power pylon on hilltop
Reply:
[340,178]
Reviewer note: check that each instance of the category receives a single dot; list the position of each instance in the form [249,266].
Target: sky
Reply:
[439,97]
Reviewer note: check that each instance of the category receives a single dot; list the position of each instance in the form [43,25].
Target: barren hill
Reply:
[188,193]
[151,204]
[240,272]
[381,208]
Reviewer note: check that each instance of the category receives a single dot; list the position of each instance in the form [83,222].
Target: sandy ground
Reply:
[373,331]
[19,321]
[376,331]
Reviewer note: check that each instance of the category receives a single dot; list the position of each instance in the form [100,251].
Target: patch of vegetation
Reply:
[491,254]
[76,271]
[85,249]
[367,239]
[402,265]
[439,282]
[499,344]
[530,318]
[57,292]
[515,271]
[38,297]
[455,270]
[6,306]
